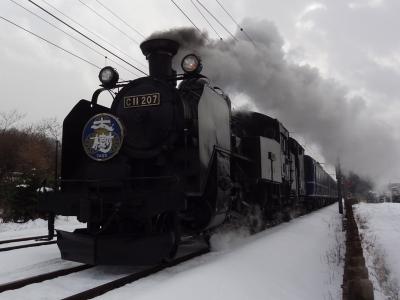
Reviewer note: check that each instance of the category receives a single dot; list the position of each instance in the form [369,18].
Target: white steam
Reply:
[227,238]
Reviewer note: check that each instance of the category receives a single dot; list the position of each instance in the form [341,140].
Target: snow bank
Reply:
[12,230]
[379,226]
[302,259]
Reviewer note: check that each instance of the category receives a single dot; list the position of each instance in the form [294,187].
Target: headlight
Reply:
[108,77]
[191,64]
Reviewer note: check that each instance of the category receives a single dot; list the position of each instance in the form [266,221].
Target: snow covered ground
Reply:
[379,225]
[18,264]
[35,228]
[302,259]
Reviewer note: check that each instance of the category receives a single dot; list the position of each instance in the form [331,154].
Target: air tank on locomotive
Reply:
[152,167]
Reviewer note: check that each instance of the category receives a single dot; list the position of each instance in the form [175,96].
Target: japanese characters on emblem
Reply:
[102,137]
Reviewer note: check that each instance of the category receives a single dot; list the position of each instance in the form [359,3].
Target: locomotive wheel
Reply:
[168,223]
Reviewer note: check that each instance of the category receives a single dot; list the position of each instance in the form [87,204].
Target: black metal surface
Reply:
[159,53]
[73,158]
[248,123]
[104,288]
[27,246]
[150,128]
[214,128]
[113,249]
[298,152]
[17,284]
[140,197]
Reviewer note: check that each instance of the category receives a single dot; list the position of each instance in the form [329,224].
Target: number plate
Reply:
[142,100]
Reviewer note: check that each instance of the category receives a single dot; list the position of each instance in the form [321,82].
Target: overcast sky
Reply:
[353,43]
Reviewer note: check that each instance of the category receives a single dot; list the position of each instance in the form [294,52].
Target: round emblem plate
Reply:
[102,137]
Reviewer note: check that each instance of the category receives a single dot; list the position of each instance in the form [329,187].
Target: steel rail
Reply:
[17,284]
[27,246]
[24,239]
[112,285]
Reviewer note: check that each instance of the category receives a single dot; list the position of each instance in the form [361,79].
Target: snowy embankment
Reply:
[379,226]
[302,259]
[35,228]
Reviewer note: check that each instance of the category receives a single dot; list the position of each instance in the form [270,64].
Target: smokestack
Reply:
[159,53]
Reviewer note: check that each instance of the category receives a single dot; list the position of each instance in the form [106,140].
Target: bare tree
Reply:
[27,146]
[9,119]
[50,127]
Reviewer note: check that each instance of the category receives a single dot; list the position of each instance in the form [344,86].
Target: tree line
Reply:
[27,162]
[358,186]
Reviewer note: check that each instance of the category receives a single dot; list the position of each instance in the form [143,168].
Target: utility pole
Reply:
[50,221]
[339,186]
[56,168]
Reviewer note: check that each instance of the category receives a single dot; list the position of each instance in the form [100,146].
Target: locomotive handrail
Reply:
[263,180]
[97,92]
[96,95]
[217,148]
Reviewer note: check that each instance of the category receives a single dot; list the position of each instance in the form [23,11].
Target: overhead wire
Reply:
[51,43]
[70,35]
[108,22]
[121,66]
[119,18]
[88,38]
[216,19]
[237,24]
[187,17]
[208,22]
[94,33]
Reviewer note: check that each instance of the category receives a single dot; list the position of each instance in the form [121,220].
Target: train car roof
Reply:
[308,157]
[253,123]
[295,144]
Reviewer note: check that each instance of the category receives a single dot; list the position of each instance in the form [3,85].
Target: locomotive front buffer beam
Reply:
[98,247]
[114,249]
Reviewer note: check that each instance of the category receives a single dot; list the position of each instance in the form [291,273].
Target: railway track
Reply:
[112,285]
[38,241]
[17,284]
[29,238]
[185,253]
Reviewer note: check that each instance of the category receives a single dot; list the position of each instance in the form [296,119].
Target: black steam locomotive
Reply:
[165,162]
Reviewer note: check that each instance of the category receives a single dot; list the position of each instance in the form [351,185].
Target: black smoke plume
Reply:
[318,110]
